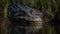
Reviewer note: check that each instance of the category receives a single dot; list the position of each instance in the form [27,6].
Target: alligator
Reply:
[24,19]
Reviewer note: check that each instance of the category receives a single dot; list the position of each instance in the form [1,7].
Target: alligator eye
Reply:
[24,13]
[21,13]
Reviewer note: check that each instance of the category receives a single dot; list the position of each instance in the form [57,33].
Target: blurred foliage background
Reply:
[48,6]
[51,7]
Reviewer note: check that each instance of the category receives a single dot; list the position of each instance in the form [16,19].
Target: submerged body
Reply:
[24,19]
